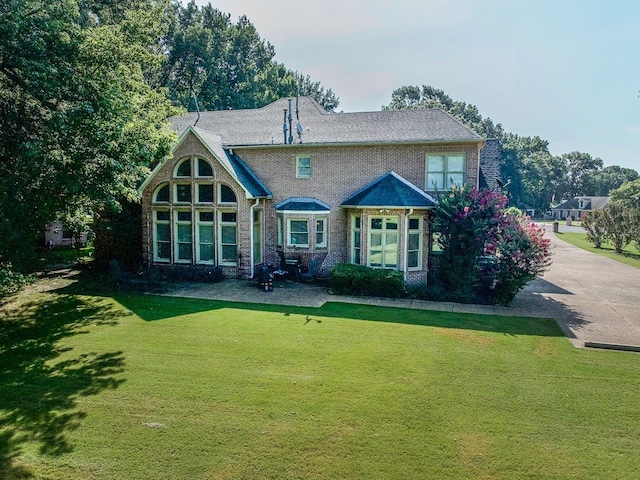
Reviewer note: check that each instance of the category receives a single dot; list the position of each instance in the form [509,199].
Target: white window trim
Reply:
[355,232]
[211,224]
[297,219]
[156,258]
[176,243]
[197,191]
[445,184]
[383,247]
[418,231]
[175,193]
[324,232]
[155,194]
[298,158]
[219,191]
[220,244]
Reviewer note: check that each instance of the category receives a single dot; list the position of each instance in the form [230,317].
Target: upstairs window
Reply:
[444,170]
[303,167]
[226,194]
[184,168]
[205,192]
[162,194]
[183,193]
[204,168]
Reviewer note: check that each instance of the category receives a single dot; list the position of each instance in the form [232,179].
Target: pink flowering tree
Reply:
[488,253]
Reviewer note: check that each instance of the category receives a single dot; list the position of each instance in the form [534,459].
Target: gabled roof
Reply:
[589,203]
[303,204]
[263,126]
[390,190]
[233,164]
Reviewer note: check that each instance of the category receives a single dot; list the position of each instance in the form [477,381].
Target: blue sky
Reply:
[567,71]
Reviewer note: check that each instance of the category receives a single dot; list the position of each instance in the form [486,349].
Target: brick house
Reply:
[243,187]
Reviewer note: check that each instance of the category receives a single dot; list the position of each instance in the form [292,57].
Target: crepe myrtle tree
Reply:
[489,253]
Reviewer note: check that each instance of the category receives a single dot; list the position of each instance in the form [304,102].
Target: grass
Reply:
[141,386]
[630,254]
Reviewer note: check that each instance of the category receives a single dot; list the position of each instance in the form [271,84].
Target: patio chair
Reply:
[312,272]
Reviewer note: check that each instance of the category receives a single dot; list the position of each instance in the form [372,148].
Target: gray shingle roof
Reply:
[263,126]
[390,190]
[302,204]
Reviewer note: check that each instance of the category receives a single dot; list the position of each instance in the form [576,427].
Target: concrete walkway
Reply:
[593,298]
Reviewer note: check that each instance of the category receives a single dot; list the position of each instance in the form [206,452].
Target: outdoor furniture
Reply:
[290,265]
[312,272]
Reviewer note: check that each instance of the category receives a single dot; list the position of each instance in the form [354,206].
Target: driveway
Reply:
[593,298]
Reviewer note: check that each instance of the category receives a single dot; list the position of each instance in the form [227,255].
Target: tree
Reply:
[580,167]
[80,122]
[594,223]
[628,195]
[601,182]
[226,65]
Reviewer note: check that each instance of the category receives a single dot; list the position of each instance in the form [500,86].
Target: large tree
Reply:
[80,123]
[226,65]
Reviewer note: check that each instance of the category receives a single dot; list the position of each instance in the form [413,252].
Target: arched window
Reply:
[183,169]
[226,194]
[204,168]
[161,194]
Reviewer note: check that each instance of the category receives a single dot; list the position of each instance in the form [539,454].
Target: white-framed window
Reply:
[183,168]
[280,219]
[298,232]
[228,236]
[182,193]
[303,166]
[204,192]
[444,170]
[161,235]
[355,239]
[203,168]
[226,194]
[383,242]
[205,237]
[161,195]
[257,236]
[414,243]
[183,249]
[321,232]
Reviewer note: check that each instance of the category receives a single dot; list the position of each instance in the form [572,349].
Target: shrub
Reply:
[349,279]
[593,223]
[10,280]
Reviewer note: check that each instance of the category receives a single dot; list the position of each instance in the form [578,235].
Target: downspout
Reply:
[406,242]
[251,262]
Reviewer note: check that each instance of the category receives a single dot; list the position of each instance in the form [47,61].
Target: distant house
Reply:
[578,206]
[242,188]
[56,235]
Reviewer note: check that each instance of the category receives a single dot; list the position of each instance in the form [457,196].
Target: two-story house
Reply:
[241,186]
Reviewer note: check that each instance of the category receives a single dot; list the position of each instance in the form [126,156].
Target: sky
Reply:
[567,71]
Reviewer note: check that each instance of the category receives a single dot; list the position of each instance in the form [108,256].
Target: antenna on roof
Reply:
[195,99]
[290,124]
[299,128]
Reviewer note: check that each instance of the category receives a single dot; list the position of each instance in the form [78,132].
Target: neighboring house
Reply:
[241,187]
[55,235]
[578,206]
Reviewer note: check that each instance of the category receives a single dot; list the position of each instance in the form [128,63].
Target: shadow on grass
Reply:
[155,307]
[40,381]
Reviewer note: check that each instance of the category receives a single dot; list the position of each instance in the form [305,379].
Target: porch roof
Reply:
[390,190]
[303,204]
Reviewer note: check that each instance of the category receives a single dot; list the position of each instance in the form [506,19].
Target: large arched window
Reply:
[227,195]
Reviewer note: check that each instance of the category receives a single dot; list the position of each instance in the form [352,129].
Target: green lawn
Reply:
[141,386]
[630,254]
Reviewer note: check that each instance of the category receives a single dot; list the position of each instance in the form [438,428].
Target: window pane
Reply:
[392,241]
[229,253]
[205,193]
[163,232]
[299,238]
[356,240]
[228,233]
[229,217]
[356,257]
[392,224]
[227,195]
[455,179]
[184,216]
[414,223]
[164,250]
[320,225]
[184,251]
[319,238]
[356,222]
[412,260]
[298,226]
[163,194]
[435,163]
[184,170]
[414,241]
[205,233]
[455,163]
[206,216]
[375,258]
[376,224]
[376,240]
[162,215]
[183,193]
[435,181]
[184,233]
[206,253]
[304,162]
[204,168]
